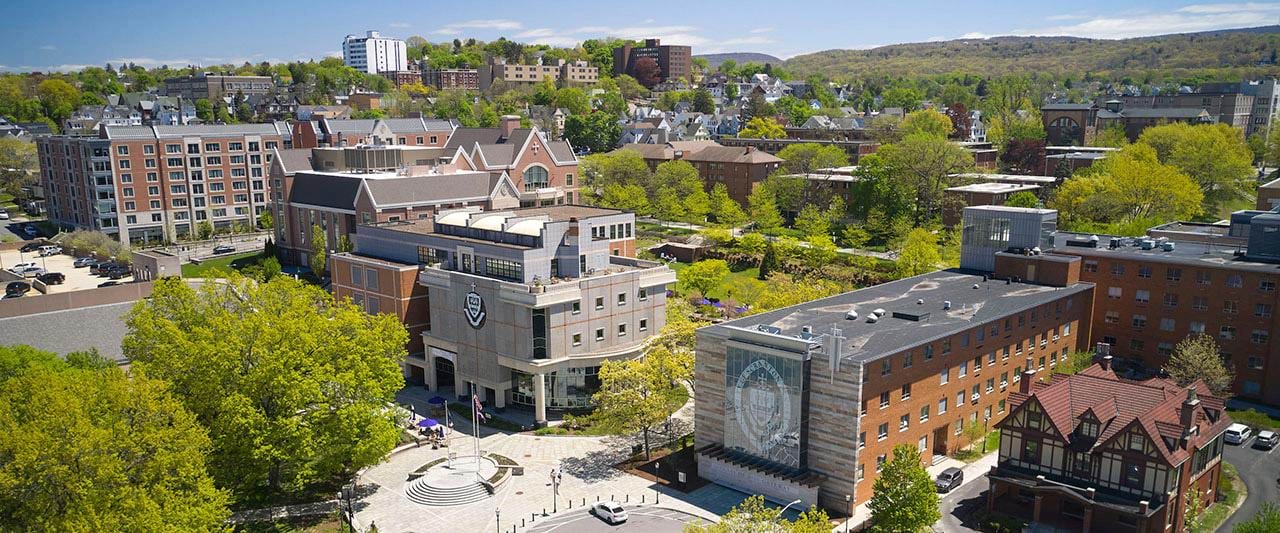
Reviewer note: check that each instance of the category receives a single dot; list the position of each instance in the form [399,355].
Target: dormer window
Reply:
[1088,428]
[1137,442]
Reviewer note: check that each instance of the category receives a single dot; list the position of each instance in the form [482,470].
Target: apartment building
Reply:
[324,131]
[568,72]
[156,183]
[467,79]
[807,402]
[213,86]
[346,187]
[522,306]
[1154,292]
[545,171]
[1225,104]
[675,62]
[374,53]
[1094,452]
[739,169]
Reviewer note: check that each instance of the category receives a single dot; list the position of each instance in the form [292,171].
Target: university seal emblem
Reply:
[763,411]
[474,309]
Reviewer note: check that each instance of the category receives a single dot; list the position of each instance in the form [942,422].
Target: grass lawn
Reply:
[1254,418]
[224,264]
[972,453]
[593,428]
[737,276]
[305,524]
[1232,489]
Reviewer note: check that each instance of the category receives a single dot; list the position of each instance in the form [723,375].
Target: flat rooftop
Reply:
[1010,178]
[1198,228]
[970,308]
[993,187]
[565,212]
[1189,253]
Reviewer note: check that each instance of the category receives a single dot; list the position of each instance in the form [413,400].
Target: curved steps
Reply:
[421,493]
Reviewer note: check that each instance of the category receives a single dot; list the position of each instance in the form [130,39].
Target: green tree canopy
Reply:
[680,178]
[805,158]
[1215,156]
[1022,199]
[929,122]
[626,197]
[903,496]
[704,276]
[1129,185]
[596,131]
[925,163]
[752,515]
[762,128]
[638,395]
[726,210]
[293,387]
[919,254]
[1197,358]
[763,209]
[88,448]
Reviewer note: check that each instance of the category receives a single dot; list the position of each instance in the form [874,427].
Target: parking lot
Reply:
[77,278]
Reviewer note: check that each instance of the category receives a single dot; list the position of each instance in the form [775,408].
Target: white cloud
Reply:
[976,35]
[1065,17]
[495,24]
[934,39]
[49,47]
[1192,18]
[536,32]
[400,25]
[766,29]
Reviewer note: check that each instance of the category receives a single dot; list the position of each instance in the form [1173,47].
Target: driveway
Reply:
[1259,469]
[961,506]
[642,519]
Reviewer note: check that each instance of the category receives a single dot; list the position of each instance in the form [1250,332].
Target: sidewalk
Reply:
[972,471]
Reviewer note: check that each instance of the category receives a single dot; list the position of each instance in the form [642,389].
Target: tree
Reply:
[630,87]
[319,260]
[1022,199]
[724,209]
[1216,156]
[960,121]
[1112,136]
[204,230]
[1267,520]
[704,276]
[266,220]
[647,72]
[806,158]
[919,254]
[752,244]
[270,268]
[637,395]
[681,180]
[769,262]
[820,252]
[627,198]
[756,107]
[975,432]
[702,102]
[762,128]
[903,496]
[87,447]
[812,221]
[292,386]
[1023,156]
[572,99]
[925,164]
[1128,185]
[597,131]
[204,109]
[58,98]
[18,164]
[344,244]
[928,122]
[752,515]
[763,209]
[906,98]
[1197,358]
[885,129]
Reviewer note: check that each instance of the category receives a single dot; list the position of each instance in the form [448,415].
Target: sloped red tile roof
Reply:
[1154,405]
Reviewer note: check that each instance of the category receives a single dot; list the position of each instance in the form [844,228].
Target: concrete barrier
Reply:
[62,301]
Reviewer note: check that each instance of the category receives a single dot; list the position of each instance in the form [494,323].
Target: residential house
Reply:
[545,171]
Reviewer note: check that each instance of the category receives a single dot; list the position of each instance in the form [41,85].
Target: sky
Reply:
[62,35]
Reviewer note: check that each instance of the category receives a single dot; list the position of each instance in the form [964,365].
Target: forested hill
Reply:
[1241,52]
[714,60]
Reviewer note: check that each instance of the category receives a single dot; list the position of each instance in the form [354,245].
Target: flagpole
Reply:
[448,443]
[475,424]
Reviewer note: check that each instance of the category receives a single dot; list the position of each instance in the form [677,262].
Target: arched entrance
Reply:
[444,373]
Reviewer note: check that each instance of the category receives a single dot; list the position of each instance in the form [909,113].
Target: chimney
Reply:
[1187,415]
[1028,375]
[508,124]
[1105,363]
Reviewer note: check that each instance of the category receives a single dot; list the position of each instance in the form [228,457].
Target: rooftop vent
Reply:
[769,329]
[920,301]
[912,315]
[1167,246]
[1148,244]
[946,305]
[879,311]
[975,285]
[851,315]
[1116,242]
[872,318]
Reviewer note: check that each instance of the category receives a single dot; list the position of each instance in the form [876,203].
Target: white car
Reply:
[49,249]
[30,272]
[610,511]
[1238,434]
[18,268]
[4,214]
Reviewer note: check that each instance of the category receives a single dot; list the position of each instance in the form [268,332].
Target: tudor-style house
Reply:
[1094,452]
[544,171]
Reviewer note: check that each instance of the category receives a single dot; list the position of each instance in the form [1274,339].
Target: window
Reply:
[924,413]
[1230,307]
[1196,327]
[371,278]
[1255,363]
[964,369]
[1004,380]
[1031,451]
[1132,475]
[173,149]
[1262,310]
[643,295]
[991,383]
[1144,271]
[1173,274]
[1139,321]
[904,422]
[959,427]
[122,150]
[1267,285]
[1114,292]
[906,392]
[944,377]
[1234,281]
[599,334]
[212,147]
[880,459]
[356,276]
[928,352]
[1112,317]
[1142,296]
[1137,344]
[886,367]
[1117,269]
[1259,336]
[622,330]
[1090,266]
[946,346]
[599,303]
[882,432]
[1170,300]
[1227,332]
[644,324]
[884,399]
[1203,278]
[374,304]
[1164,349]
[534,178]
[1199,303]
[622,298]
[1167,324]
[906,360]
[576,308]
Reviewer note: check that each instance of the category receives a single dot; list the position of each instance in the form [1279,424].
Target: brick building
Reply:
[675,62]
[739,169]
[566,72]
[387,131]
[454,78]
[212,86]
[156,183]
[1094,452]
[807,402]
[545,171]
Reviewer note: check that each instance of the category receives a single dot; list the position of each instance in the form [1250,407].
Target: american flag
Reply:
[478,408]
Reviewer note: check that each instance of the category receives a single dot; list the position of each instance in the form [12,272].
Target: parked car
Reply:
[31,230]
[16,289]
[18,268]
[4,214]
[82,262]
[610,511]
[109,284]
[101,269]
[31,272]
[118,273]
[949,479]
[1266,440]
[49,249]
[223,249]
[52,278]
[32,246]
[1238,434]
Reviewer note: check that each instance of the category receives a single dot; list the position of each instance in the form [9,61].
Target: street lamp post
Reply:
[848,504]
[985,419]
[788,506]
[555,488]
[497,518]
[346,494]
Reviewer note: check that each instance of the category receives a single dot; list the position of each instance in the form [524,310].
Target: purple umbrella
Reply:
[428,422]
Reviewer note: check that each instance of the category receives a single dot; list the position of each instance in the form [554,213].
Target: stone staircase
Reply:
[418,491]
[938,459]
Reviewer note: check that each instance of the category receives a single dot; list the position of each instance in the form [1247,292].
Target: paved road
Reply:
[1259,469]
[642,519]
[960,506]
